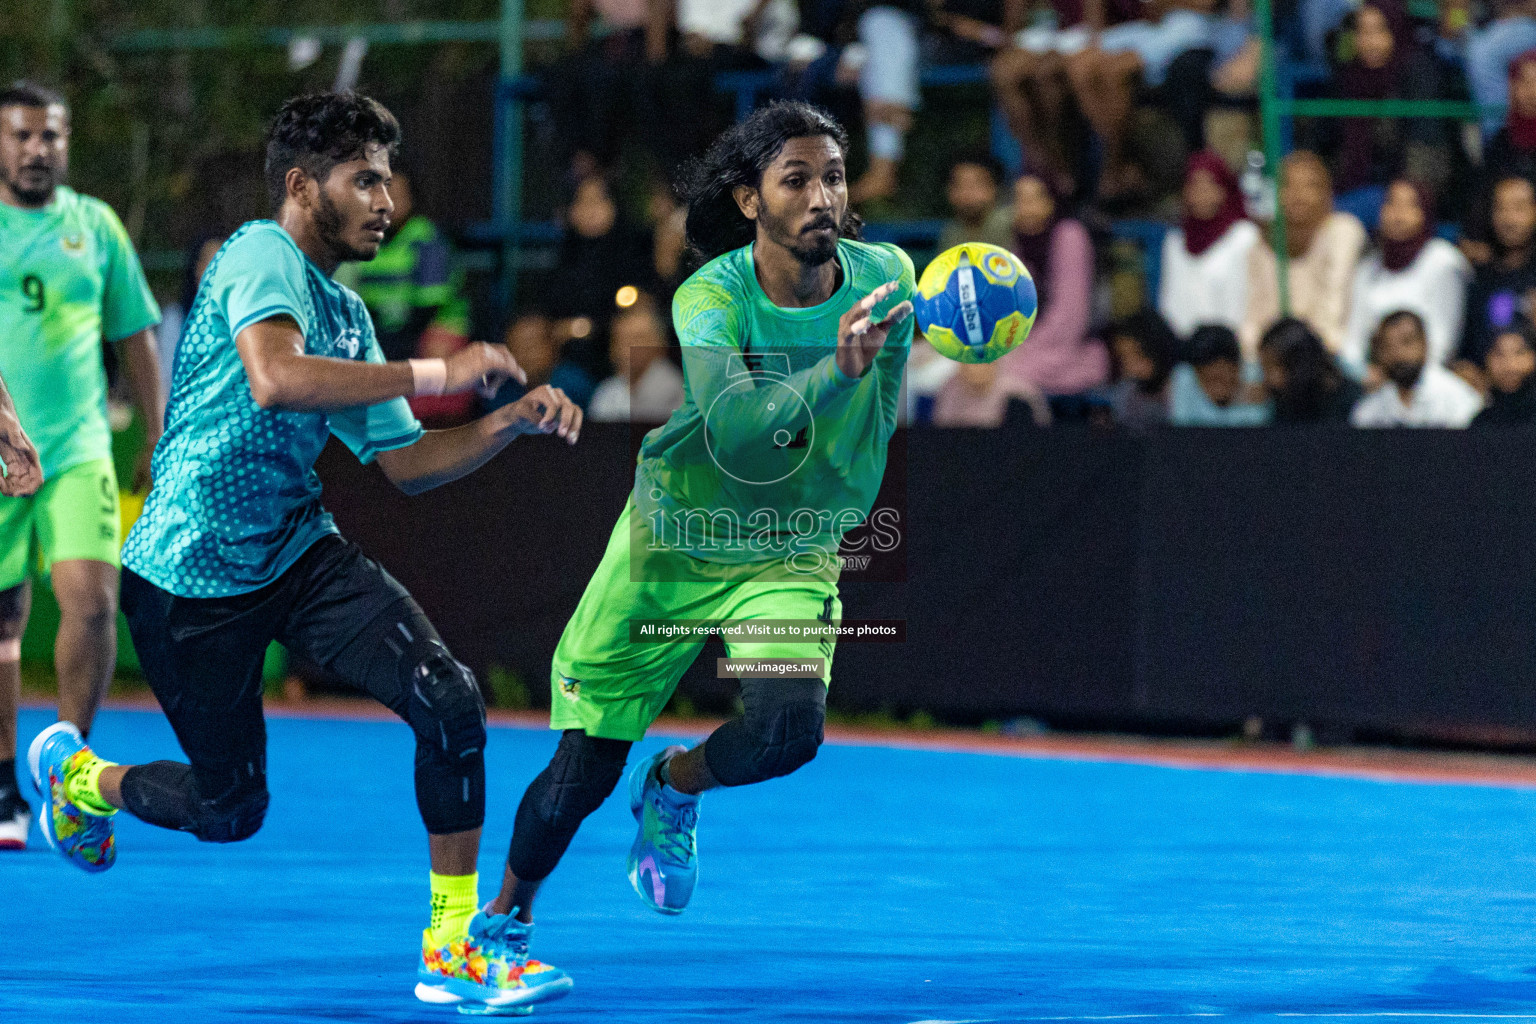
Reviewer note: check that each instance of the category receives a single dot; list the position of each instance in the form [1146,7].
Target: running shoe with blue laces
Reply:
[664,860]
[486,971]
[81,837]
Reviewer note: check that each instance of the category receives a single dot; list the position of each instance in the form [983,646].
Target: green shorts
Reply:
[611,685]
[74,515]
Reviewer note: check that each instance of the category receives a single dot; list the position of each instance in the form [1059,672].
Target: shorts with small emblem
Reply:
[74,515]
[611,686]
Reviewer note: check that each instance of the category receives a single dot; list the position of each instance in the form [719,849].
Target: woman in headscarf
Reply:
[1387,65]
[1408,269]
[1510,153]
[1205,259]
[1511,371]
[1058,357]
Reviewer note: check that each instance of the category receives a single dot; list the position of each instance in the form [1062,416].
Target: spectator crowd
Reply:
[1386,277]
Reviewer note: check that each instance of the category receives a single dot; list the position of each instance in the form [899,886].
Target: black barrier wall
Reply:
[1383,581]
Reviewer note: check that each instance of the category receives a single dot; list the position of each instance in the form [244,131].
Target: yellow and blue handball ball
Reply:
[975,302]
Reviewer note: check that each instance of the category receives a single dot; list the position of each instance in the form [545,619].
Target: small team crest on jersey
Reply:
[570,688]
[73,244]
[350,342]
[1000,267]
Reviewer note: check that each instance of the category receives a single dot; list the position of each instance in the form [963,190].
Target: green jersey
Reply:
[775,452]
[69,279]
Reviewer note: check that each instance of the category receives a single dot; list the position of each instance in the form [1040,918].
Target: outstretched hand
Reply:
[859,337]
[23,469]
[544,410]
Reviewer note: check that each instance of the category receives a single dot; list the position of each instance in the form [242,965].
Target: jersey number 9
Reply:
[32,288]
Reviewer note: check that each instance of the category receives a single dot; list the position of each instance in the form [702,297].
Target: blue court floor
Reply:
[878,885]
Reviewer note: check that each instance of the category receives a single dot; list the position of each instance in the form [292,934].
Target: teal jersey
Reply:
[69,280]
[775,451]
[235,499]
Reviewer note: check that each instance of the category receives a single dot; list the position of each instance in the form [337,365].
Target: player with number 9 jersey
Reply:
[69,282]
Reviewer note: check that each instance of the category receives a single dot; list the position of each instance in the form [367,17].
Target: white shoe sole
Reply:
[437,996]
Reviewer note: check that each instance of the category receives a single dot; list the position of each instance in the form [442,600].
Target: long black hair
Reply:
[1311,375]
[1157,342]
[739,157]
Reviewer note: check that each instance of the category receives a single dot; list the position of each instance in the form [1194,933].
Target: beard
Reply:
[809,252]
[35,195]
[1404,375]
[330,226]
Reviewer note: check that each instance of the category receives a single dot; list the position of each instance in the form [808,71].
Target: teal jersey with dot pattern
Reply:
[774,449]
[69,280]
[236,499]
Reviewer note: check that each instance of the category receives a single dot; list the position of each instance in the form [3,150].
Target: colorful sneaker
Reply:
[487,970]
[664,860]
[15,821]
[432,989]
[82,838]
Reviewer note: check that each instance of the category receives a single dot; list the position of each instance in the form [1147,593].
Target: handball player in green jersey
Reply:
[794,337]
[69,281]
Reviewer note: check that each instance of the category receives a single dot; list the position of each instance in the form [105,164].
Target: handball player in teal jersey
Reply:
[794,336]
[235,551]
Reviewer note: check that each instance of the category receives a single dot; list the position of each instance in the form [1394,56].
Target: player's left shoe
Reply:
[82,838]
[664,860]
[486,971]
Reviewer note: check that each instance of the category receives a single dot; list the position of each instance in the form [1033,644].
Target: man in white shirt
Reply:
[1417,392]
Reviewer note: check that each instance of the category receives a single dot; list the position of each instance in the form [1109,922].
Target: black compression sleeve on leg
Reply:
[166,793]
[578,779]
[448,715]
[399,659]
[161,793]
[780,730]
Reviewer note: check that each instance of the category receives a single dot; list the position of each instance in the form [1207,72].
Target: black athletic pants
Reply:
[203,658]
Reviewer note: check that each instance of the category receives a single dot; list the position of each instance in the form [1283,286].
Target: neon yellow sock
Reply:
[455,898]
[81,786]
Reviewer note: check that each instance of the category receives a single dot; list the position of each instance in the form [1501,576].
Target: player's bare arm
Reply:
[141,369]
[283,377]
[23,471]
[441,456]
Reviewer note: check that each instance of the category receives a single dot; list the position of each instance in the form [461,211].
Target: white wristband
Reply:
[430,375]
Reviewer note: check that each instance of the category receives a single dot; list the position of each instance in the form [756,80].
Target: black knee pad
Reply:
[447,713]
[581,775]
[166,793]
[770,740]
[446,710]
[233,817]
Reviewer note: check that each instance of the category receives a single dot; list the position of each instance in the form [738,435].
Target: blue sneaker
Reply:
[82,838]
[664,860]
[486,971]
